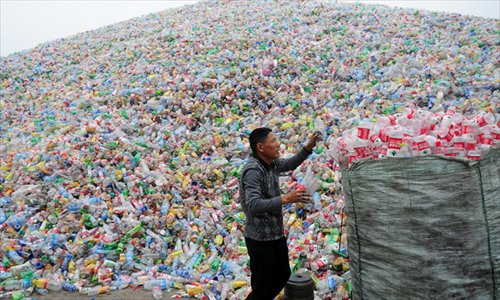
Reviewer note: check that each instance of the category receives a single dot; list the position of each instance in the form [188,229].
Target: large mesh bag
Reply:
[424,228]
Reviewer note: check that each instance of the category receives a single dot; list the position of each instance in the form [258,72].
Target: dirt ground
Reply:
[128,293]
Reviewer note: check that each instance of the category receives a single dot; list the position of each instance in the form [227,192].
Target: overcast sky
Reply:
[486,8]
[25,24]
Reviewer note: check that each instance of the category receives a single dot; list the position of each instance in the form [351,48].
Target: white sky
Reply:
[25,24]
[481,8]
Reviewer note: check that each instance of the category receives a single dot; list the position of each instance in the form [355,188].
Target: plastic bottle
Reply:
[164,284]
[319,264]
[49,284]
[157,292]
[15,270]
[95,290]
[193,290]
[317,201]
[2,217]
[129,256]
[12,284]
[326,286]
[69,287]
[16,258]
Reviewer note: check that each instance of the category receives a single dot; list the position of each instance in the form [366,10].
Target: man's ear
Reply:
[260,147]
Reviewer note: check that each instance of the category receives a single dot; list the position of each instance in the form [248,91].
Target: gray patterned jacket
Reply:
[260,196]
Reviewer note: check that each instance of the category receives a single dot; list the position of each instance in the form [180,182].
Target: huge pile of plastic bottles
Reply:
[122,147]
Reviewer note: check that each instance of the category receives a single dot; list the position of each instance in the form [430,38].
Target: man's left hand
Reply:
[313,140]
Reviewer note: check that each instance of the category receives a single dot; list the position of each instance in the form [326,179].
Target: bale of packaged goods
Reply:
[424,227]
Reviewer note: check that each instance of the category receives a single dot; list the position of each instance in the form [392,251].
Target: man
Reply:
[261,201]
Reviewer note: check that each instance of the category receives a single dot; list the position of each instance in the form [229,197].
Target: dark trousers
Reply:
[269,266]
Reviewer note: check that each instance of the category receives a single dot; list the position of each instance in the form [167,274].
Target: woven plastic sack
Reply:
[424,228]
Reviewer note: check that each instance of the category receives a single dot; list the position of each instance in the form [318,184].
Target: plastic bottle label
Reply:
[394,143]
[423,145]
[363,133]
[332,286]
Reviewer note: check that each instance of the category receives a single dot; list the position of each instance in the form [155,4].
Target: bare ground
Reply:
[129,293]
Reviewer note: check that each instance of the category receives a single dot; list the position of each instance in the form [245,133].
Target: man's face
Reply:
[270,147]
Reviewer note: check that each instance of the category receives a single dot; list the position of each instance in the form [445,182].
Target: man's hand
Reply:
[295,196]
[313,140]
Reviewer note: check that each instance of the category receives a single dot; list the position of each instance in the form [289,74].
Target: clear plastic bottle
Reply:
[2,217]
[129,256]
[164,284]
[49,284]
[16,258]
[96,290]
[157,292]
[317,201]
[15,270]
[13,284]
